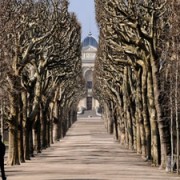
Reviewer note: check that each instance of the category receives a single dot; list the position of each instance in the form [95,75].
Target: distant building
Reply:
[89,49]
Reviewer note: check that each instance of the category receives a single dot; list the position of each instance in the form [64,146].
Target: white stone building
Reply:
[88,54]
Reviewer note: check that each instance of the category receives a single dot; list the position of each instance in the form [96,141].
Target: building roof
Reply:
[89,41]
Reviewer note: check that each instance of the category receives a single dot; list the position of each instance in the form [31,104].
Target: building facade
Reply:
[88,54]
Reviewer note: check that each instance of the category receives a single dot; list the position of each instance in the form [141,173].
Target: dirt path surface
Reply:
[87,153]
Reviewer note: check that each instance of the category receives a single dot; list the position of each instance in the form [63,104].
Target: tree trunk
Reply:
[37,135]
[127,116]
[2,121]
[171,128]
[109,120]
[21,131]
[177,112]
[163,128]
[44,129]
[153,122]
[116,125]
[13,153]
[26,138]
[139,112]
[31,142]
[145,114]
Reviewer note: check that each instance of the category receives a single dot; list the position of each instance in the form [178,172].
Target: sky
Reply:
[85,11]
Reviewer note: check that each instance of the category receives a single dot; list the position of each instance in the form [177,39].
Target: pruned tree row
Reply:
[41,76]
[137,76]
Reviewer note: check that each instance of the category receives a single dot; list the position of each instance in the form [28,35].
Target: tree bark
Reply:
[153,122]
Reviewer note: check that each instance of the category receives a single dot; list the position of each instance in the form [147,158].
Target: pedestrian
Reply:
[2,153]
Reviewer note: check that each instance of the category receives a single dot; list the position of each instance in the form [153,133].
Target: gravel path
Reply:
[87,153]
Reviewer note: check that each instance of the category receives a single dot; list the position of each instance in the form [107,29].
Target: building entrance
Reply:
[89,103]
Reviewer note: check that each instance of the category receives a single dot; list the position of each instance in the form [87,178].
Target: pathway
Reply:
[87,153]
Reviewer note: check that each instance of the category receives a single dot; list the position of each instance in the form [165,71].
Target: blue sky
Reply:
[85,11]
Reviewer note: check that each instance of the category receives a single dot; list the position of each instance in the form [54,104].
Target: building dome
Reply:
[89,41]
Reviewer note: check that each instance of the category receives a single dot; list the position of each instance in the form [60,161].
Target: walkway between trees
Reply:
[87,153]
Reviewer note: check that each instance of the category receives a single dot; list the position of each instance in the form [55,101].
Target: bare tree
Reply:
[130,64]
[40,51]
